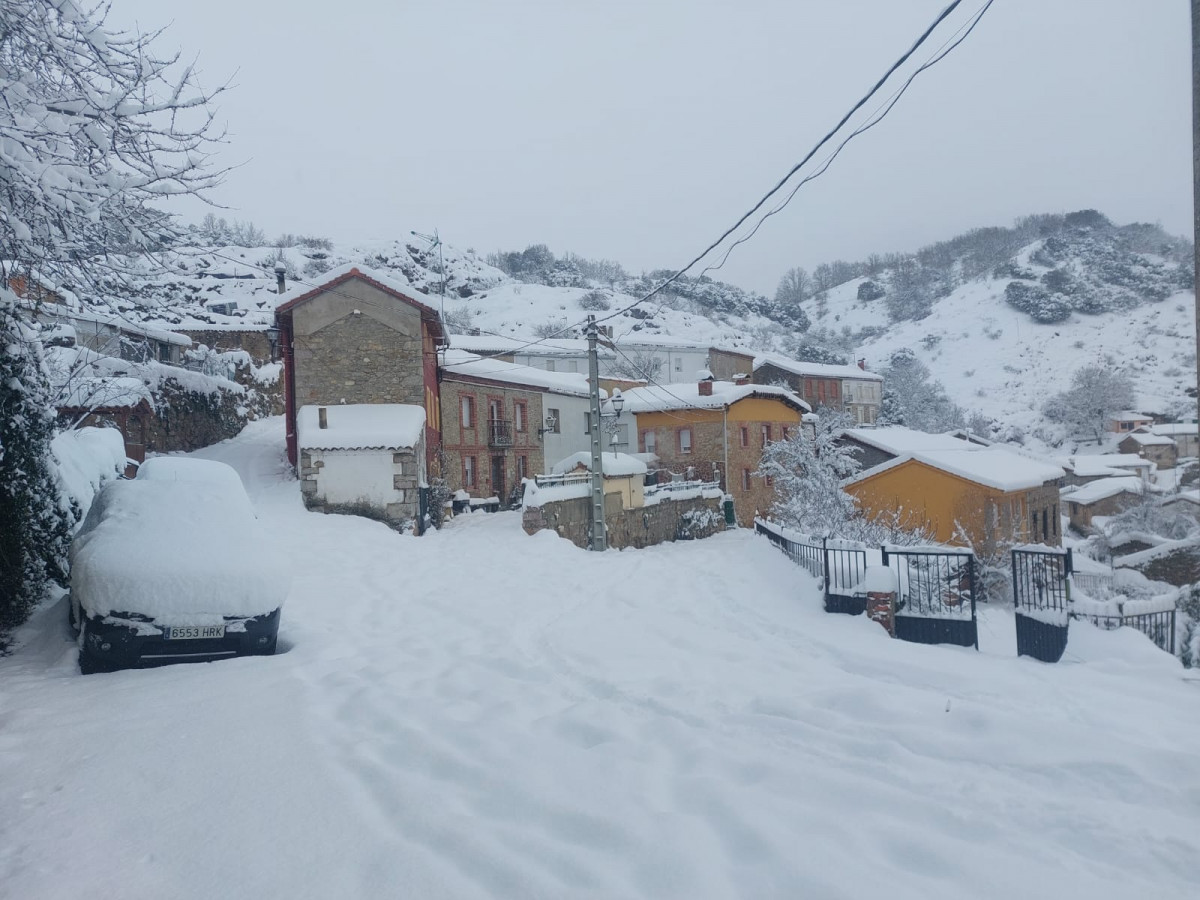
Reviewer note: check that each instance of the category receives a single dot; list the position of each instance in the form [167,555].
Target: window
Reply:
[552,420]
[495,410]
[685,440]
[1054,519]
[520,415]
[1045,525]
[679,364]
[766,433]
[744,436]
[649,442]
[468,466]
[587,422]
[808,386]
[833,389]
[745,479]
[468,412]
[549,365]
[573,365]
[787,432]
[522,467]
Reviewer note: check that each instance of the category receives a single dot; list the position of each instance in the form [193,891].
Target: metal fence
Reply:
[671,487]
[809,555]
[1158,626]
[936,601]
[839,565]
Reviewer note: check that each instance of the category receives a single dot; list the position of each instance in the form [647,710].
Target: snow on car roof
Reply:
[178,541]
[361,426]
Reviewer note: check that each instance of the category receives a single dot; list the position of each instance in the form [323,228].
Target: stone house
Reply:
[957,490]
[1157,448]
[851,389]
[505,422]
[716,431]
[1184,434]
[366,459]
[1103,497]
[1083,469]
[729,365]
[360,338]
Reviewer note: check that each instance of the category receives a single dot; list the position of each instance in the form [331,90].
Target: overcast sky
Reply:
[638,131]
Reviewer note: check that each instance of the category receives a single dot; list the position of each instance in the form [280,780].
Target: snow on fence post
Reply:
[880,585]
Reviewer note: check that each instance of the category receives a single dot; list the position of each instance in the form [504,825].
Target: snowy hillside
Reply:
[1001,316]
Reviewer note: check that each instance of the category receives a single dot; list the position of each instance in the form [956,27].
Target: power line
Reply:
[874,119]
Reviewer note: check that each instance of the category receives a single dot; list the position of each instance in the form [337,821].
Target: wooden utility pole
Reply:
[599,537]
[1196,182]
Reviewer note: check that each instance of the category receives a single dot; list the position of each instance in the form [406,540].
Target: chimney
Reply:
[705,388]
[281,281]
[322,417]
[862,364]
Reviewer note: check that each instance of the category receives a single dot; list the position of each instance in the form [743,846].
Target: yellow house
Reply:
[716,431]
[965,493]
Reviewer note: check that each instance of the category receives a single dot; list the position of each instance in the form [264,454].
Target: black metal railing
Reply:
[936,601]
[1041,601]
[1158,626]
[839,565]
[500,433]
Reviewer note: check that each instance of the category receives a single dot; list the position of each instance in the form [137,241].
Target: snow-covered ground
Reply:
[480,713]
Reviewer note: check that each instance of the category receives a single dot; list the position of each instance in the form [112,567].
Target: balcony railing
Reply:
[500,433]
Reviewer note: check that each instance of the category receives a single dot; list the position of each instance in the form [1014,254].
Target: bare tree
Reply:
[637,366]
[794,287]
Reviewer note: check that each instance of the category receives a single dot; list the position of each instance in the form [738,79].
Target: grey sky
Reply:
[638,131]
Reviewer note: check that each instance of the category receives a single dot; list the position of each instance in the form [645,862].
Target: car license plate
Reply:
[192,632]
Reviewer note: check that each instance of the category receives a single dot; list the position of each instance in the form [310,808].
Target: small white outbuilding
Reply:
[367,459]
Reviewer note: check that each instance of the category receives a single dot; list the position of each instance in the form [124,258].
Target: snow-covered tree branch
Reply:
[95,127]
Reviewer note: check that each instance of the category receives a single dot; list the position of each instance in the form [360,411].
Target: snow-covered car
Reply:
[173,566]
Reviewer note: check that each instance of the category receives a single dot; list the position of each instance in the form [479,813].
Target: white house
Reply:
[1184,434]
[363,458]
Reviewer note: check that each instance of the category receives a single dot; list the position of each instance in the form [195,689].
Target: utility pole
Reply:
[1196,180]
[599,539]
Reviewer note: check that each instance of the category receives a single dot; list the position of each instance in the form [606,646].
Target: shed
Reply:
[1158,448]
[1103,497]
[365,459]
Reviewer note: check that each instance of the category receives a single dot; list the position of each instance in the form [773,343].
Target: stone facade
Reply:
[497,469]
[726,365]
[224,341]
[1162,455]
[1082,513]
[669,520]
[361,348]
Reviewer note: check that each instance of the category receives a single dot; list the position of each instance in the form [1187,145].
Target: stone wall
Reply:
[189,420]
[669,520]
[253,342]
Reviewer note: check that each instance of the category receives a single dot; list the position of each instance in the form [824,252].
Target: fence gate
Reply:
[936,601]
[845,563]
[1041,598]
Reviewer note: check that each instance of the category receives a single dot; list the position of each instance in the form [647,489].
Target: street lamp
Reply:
[273,339]
[617,403]
[551,425]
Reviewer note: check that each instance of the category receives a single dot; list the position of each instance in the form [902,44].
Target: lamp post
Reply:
[273,339]
[616,403]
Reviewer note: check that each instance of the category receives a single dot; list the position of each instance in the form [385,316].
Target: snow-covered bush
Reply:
[34,527]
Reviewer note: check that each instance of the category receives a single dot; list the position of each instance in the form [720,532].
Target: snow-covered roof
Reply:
[899,440]
[1192,497]
[994,466]
[57,313]
[1103,488]
[1146,439]
[361,426]
[813,369]
[460,362]
[686,395]
[353,268]
[1104,464]
[1175,428]
[531,346]
[1130,416]
[614,464]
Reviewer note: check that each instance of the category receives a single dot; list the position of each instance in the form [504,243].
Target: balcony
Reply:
[500,433]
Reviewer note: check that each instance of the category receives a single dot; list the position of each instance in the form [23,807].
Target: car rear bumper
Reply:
[109,645]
